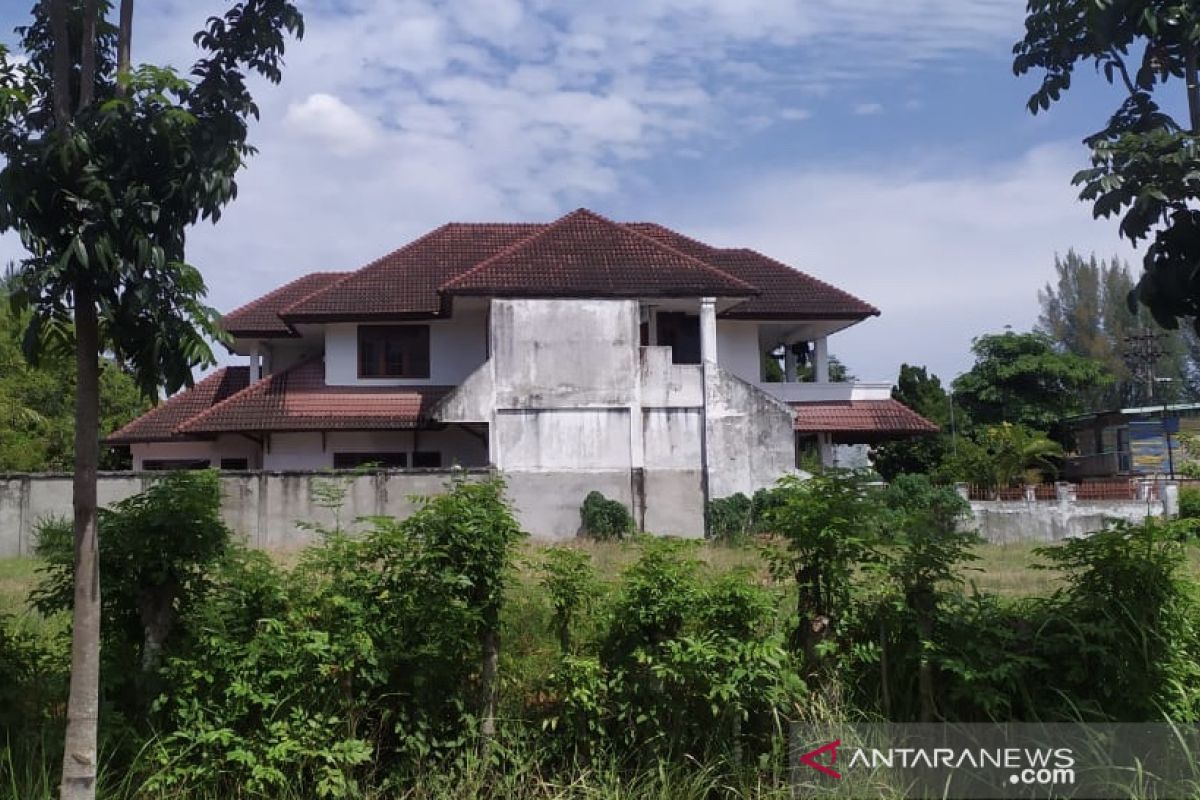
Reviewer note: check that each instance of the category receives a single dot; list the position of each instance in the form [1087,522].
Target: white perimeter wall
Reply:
[456,349]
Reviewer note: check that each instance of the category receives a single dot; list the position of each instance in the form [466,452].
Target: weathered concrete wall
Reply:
[750,436]
[263,508]
[1002,522]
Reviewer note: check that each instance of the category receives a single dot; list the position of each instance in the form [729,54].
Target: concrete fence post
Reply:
[964,491]
[1169,494]
[1030,493]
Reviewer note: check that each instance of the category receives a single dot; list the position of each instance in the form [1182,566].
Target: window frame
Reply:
[378,336]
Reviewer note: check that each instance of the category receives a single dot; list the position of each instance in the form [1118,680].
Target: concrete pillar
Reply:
[825,444]
[1169,494]
[964,491]
[789,364]
[255,364]
[821,360]
[708,330]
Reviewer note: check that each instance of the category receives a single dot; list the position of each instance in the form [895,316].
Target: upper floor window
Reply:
[393,351]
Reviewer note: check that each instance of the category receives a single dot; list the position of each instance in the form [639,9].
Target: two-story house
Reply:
[577,355]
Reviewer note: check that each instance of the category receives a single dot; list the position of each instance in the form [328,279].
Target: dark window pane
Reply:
[381,460]
[235,463]
[427,460]
[393,351]
[162,464]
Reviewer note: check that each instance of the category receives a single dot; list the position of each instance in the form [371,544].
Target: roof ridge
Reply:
[813,278]
[250,389]
[429,234]
[589,213]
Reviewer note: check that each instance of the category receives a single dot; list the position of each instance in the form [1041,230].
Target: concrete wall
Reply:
[750,437]
[1001,522]
[213,451]
[456,349]
[738,349]
[264,508]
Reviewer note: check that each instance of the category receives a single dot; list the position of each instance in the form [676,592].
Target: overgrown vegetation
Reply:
[428,652]
[605,519]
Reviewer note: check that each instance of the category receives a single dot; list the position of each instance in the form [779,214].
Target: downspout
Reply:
[708,363]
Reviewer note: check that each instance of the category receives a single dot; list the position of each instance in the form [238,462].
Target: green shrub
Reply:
[377,653]
[729,520]
[1189,502]
[605,519]
[156,551]
[570,584]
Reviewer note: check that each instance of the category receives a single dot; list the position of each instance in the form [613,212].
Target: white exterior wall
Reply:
[213,451]
[737,349]
[456,349]
[291,452]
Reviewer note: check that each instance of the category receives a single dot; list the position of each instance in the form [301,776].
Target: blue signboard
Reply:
[1148,447]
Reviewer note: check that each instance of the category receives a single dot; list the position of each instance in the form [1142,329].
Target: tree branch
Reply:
[61,77]
[87,51]
[1120,62]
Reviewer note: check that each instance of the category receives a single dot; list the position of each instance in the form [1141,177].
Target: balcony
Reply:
[826,392]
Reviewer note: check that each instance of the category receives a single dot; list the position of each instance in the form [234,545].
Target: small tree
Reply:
[829,525]
[105,169]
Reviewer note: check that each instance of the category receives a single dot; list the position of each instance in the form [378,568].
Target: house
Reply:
[1130,441]
[576,355]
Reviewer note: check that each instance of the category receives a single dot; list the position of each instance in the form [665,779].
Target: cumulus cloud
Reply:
[330,121]
[946,252]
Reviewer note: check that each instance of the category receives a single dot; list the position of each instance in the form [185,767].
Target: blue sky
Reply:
[881,146]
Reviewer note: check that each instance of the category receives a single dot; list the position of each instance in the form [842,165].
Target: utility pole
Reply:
[1142,351]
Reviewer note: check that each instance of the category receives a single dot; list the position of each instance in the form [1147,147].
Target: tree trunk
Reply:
[87,54]
[124,41]
[80,752]
[489,640]
[1193,84]
[62,62]
[923,604]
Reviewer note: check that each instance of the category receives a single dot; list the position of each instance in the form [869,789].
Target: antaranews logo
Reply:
[810,758]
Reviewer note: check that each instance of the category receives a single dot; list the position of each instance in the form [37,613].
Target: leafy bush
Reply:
[689,665]
[605,519]
[381,650]
[156,550]
[1189,502]
[570,583]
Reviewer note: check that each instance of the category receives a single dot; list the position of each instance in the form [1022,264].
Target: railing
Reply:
[826,392]
[1142,489]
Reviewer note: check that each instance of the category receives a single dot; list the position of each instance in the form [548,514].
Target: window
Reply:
[235,463]
[165,464]
[393,351]
[427,460]
[680,332]
[382,460]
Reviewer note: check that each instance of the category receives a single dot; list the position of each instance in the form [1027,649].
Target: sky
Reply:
[881,146]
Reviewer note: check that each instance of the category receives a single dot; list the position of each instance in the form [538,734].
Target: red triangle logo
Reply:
[810,758]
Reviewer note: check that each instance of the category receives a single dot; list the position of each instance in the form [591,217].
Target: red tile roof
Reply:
[786,293]
[161,424]
[585,255]
[297,399]
[868,419]
[582,254]
[406,282]
[260,318]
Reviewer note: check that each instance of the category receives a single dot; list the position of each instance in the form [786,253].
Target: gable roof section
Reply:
[861,420]
[297,399]
[406,282]
[585,255]
[260,318]
[786,293]
[161,424]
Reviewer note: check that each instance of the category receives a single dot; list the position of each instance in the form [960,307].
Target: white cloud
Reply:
[332,122]
[946,253]
[868,109]
[795,114]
